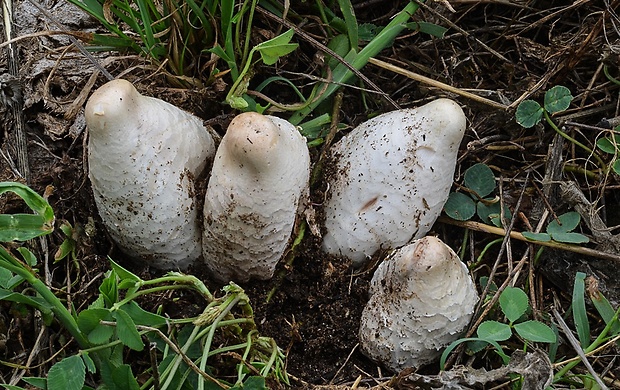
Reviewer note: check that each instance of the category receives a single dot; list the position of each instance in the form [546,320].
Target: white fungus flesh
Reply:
[144,155]
[390,179]
[421,299]
[260,175]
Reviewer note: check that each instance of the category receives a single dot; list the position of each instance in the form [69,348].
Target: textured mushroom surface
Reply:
[390,178]
[260,174]
[421,299]
[144,155]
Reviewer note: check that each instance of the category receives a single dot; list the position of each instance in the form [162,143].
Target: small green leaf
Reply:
[37,302]
[489,213]
[459,206]
[557,99]
[88,362]
[127,332]
[67,374]
[28,256]
[494,330]
[37,382]
[23,227]
[580,316]
[450,348]
[277,47]
[367,32]
[66,248]
[124,379]
[616,166]
[535,331]
[564,223]
[122,273]
[109,289]
[427,28]
[480,178]
[605,309]
[143,317]
[607,146]
[570,238]
[542,237]
[529,113]
[237,102]
[89,323]
[514,303]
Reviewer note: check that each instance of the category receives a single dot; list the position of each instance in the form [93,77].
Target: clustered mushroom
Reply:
[144,155]
[260,174]
[421,299]
[390,179]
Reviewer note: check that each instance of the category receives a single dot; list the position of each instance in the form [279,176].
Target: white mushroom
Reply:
[143,156]
[260,173]
[421,299]
[390,178]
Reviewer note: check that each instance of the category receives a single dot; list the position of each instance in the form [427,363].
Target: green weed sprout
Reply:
[115,322]
[514,304]
[560,230]
[478,186]
[557,99]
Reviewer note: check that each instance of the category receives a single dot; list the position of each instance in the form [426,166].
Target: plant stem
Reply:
[574,141]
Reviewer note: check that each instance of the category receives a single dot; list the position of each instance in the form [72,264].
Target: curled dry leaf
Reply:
[391,177]
[143,156]
[421,299]
[260,174]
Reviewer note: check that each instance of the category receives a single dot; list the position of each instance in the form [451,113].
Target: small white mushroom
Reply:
[144,155]
[260,174]
[390,178]
[421,299]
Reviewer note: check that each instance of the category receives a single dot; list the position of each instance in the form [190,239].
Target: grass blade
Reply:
[351,22]
[580,317]
[605,310]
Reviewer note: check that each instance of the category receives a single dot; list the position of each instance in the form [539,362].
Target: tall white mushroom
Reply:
[144,155]
[391,177]
[260,174]
[421,299]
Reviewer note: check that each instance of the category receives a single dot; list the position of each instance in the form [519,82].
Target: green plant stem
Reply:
[484,251]
[62,314]
[182,279]
[248,348]
[574,141]
[274,354]
[131,297]
[248,32]
[342,74]
[174,366]
[209,340]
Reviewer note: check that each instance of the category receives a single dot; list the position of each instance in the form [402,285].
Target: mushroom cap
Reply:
[144,155]
[391,178]
[421,299]
[259,180]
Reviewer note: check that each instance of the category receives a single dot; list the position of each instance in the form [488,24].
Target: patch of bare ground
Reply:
[500,50]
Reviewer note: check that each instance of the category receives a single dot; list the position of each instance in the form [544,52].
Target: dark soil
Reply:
[503,50]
